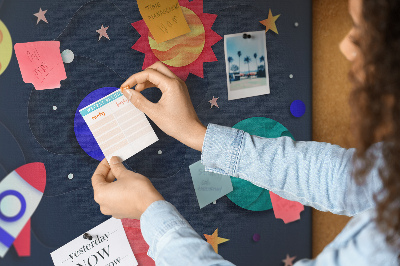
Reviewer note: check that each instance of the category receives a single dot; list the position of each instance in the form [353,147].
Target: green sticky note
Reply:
[245,194]
[209,186]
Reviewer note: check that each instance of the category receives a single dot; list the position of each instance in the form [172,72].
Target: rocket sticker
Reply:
[20,194]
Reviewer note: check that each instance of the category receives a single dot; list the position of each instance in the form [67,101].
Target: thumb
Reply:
[138,100]
[117,167]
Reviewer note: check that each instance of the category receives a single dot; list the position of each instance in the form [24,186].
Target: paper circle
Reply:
[245,194]
[297,108]
[184,49]
[256,237]
[5,47]
[21,209]
[10,206]
[83,134]
[67,56]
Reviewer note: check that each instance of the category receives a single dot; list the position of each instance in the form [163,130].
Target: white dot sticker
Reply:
[67,56]
[70,176]
[54,107]
[296,24]
[291,76]
[10,206]
[159,151]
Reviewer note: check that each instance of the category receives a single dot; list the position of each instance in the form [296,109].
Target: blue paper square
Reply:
[209,186]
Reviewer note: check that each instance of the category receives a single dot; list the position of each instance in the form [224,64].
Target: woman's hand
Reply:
[128,197]
[174,113]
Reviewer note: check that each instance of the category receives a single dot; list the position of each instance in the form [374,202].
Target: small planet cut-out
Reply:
[256,237]
[298,108]
[67,56]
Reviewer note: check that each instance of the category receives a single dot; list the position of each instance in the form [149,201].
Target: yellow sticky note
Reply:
[164,18]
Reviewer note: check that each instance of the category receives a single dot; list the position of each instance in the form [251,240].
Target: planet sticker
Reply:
[245,194]
[184,49]
[5,47]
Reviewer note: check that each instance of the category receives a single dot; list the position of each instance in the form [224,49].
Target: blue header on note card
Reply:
[93,107]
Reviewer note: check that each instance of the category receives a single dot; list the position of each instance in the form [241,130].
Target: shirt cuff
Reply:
[159,218]
[221,149]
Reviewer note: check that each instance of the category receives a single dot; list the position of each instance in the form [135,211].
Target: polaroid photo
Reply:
[246,64]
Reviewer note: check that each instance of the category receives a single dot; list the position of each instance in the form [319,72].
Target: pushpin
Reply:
[87,236]
[246,36]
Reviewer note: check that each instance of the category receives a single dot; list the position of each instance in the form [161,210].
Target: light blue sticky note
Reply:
[209,186]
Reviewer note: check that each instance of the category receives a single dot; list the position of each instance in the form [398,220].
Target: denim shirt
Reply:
[312,173]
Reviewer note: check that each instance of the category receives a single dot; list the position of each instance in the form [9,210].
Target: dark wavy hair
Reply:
[375,103]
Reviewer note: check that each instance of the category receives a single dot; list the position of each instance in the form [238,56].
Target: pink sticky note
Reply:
[41,64]
[288,211]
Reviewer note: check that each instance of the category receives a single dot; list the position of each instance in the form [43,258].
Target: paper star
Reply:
[289,260]
[40,15]
[214,240]
[213,102]
[103,32]
[269,23]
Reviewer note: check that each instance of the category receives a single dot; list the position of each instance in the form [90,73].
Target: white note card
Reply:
[108,247]
[118,126]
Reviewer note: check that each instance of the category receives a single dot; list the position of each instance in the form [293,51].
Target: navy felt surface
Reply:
[67,208]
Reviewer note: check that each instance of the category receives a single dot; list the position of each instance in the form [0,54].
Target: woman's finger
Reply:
[160,67]
[159,80]
[100,175]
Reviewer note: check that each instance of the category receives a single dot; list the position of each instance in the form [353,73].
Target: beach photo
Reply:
[246,64]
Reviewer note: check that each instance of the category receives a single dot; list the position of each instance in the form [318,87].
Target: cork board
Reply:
[331,89]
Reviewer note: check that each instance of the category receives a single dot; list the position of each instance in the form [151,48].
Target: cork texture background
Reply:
[331,89]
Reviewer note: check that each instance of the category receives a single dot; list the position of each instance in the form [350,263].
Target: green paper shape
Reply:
[245,194]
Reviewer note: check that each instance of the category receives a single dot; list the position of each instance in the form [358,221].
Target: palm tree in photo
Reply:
[239,55]
[262,59]
[247,60]
[230,60]
[255,60]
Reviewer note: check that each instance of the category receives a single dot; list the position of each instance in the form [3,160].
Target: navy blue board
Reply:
[67,208]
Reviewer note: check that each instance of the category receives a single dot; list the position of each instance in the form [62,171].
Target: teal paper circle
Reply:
[245,194]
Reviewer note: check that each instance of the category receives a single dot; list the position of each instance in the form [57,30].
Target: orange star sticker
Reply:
[269,23]
[214,240]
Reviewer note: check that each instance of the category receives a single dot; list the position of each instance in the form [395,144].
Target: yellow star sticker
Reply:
[214,240]
[269,23]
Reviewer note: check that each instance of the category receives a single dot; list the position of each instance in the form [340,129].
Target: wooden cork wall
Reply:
[331,89]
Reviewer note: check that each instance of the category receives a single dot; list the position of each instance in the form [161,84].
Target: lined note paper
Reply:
[118,126]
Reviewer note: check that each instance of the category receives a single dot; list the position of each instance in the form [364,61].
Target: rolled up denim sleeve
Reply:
[313,173]
[172,241]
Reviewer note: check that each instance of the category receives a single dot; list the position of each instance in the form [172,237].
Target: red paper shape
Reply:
[137,242]
[22,243]
[288,211]
[34,174]
[41,64]
[207,55]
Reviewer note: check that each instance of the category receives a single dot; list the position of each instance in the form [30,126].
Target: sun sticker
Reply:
[184,54]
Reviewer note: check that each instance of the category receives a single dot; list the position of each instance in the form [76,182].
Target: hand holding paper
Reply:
[174,113]
[128,197]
